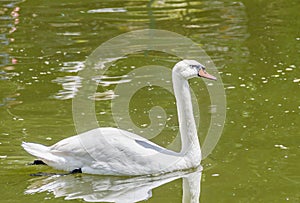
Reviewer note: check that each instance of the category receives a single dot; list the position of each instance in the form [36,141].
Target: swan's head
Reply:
[191,68]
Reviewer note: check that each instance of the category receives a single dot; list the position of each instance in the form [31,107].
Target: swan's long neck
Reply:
[187,127]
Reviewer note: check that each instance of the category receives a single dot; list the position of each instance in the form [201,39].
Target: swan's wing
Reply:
[137,140]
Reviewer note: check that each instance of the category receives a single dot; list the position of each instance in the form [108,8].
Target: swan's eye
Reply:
[198,67]
[195,66]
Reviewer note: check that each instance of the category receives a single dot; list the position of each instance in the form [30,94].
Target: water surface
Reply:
[254,44]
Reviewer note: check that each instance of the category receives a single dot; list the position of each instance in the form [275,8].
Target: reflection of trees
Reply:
[8,94]
[8,21]
[9,18]
[219,26]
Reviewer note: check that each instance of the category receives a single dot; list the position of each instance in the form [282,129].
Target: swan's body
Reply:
[112,151]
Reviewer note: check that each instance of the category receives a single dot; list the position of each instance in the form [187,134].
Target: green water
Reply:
[254,43]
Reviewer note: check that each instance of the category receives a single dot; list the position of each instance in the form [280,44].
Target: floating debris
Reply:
[296,80]
[281,146]
[230,87]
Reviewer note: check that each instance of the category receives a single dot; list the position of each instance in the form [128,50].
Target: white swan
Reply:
[112,151]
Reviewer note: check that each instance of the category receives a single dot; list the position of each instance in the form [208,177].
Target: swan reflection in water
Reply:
[93,188]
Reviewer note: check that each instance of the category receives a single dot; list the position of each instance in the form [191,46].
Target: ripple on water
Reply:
[70,85]
[104,80]
[72,66]
[100,96]
[107,10]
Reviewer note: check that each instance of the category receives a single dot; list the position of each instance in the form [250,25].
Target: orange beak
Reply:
[202,73]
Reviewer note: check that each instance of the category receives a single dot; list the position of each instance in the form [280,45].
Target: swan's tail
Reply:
[40,151]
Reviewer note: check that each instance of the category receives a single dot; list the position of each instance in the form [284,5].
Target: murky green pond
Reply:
[254,43]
